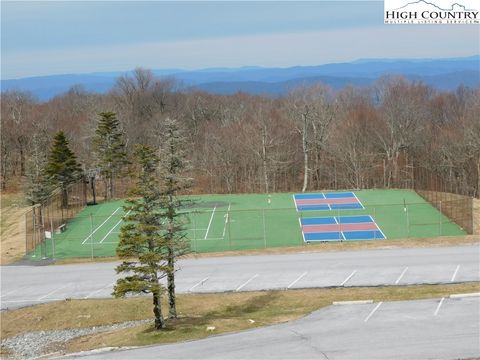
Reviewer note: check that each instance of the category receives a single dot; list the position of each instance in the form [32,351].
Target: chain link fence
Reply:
[42,221]
[446,196]
[91,235]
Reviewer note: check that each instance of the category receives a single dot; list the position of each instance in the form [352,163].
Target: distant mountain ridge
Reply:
[445,74]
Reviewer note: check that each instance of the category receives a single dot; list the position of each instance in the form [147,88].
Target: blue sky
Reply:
[43,38]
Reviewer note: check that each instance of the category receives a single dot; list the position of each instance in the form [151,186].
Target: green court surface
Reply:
[249,221]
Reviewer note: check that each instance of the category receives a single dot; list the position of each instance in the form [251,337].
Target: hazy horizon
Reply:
[53,38]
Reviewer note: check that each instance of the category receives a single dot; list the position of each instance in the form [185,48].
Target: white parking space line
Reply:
[52,292]
[438,307]
[99,290]
[348,278]
[455,273]
[12,291]
[246,282]
[373,311]
[401,275]
[297,279]
[210,223]
[199,283]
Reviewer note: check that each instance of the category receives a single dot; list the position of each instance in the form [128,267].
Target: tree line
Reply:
[313,138]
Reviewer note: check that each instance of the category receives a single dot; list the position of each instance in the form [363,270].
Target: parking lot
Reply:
[26,285]
[446,328]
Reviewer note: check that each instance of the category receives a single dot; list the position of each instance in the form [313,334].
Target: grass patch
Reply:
[227,312]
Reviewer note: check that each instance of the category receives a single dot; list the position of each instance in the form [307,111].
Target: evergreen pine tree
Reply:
[173,165]
[38,186]
[62,166]
[141,238]
[110,151]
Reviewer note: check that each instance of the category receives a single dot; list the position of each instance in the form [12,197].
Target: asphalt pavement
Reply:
[423,329]
[27,285]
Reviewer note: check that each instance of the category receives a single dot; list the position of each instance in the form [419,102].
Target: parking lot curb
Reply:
[457,296]
[352,302]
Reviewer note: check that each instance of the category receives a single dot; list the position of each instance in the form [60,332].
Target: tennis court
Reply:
[338,228]
[327,201]
[253,221]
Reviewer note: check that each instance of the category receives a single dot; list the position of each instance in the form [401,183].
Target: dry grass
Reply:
[12,244]
[226,311]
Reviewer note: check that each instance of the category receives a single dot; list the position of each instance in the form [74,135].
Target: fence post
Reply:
[91,235]
[229,231]
[440,217]
[408,221]
[264,229]
[340,223]
[26,233]
[53,238]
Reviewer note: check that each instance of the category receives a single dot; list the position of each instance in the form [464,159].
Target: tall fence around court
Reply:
[96,233]
[44,220]
[447,197]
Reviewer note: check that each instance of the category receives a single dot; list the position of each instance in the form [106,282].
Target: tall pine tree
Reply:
[142,242]
[38,186]
[173,165]
[62,166]
[110,151]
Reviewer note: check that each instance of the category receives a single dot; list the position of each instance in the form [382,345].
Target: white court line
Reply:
[246,282]
[295,202]
[329,207]
[455,273]
[378,227]
[97,291]
[373,311]
[226,221]
[118,223]
[297,279]
[199,283]
[341,232]
[94,231]
[52,292]
[363,207]
[348,277]
[401,275]
[438,307]
[210,223]
[301,229]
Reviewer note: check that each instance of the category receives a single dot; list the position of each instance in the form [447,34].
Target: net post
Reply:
[91,235]
[374,219]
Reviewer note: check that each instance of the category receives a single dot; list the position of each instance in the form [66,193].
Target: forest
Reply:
[314,138]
